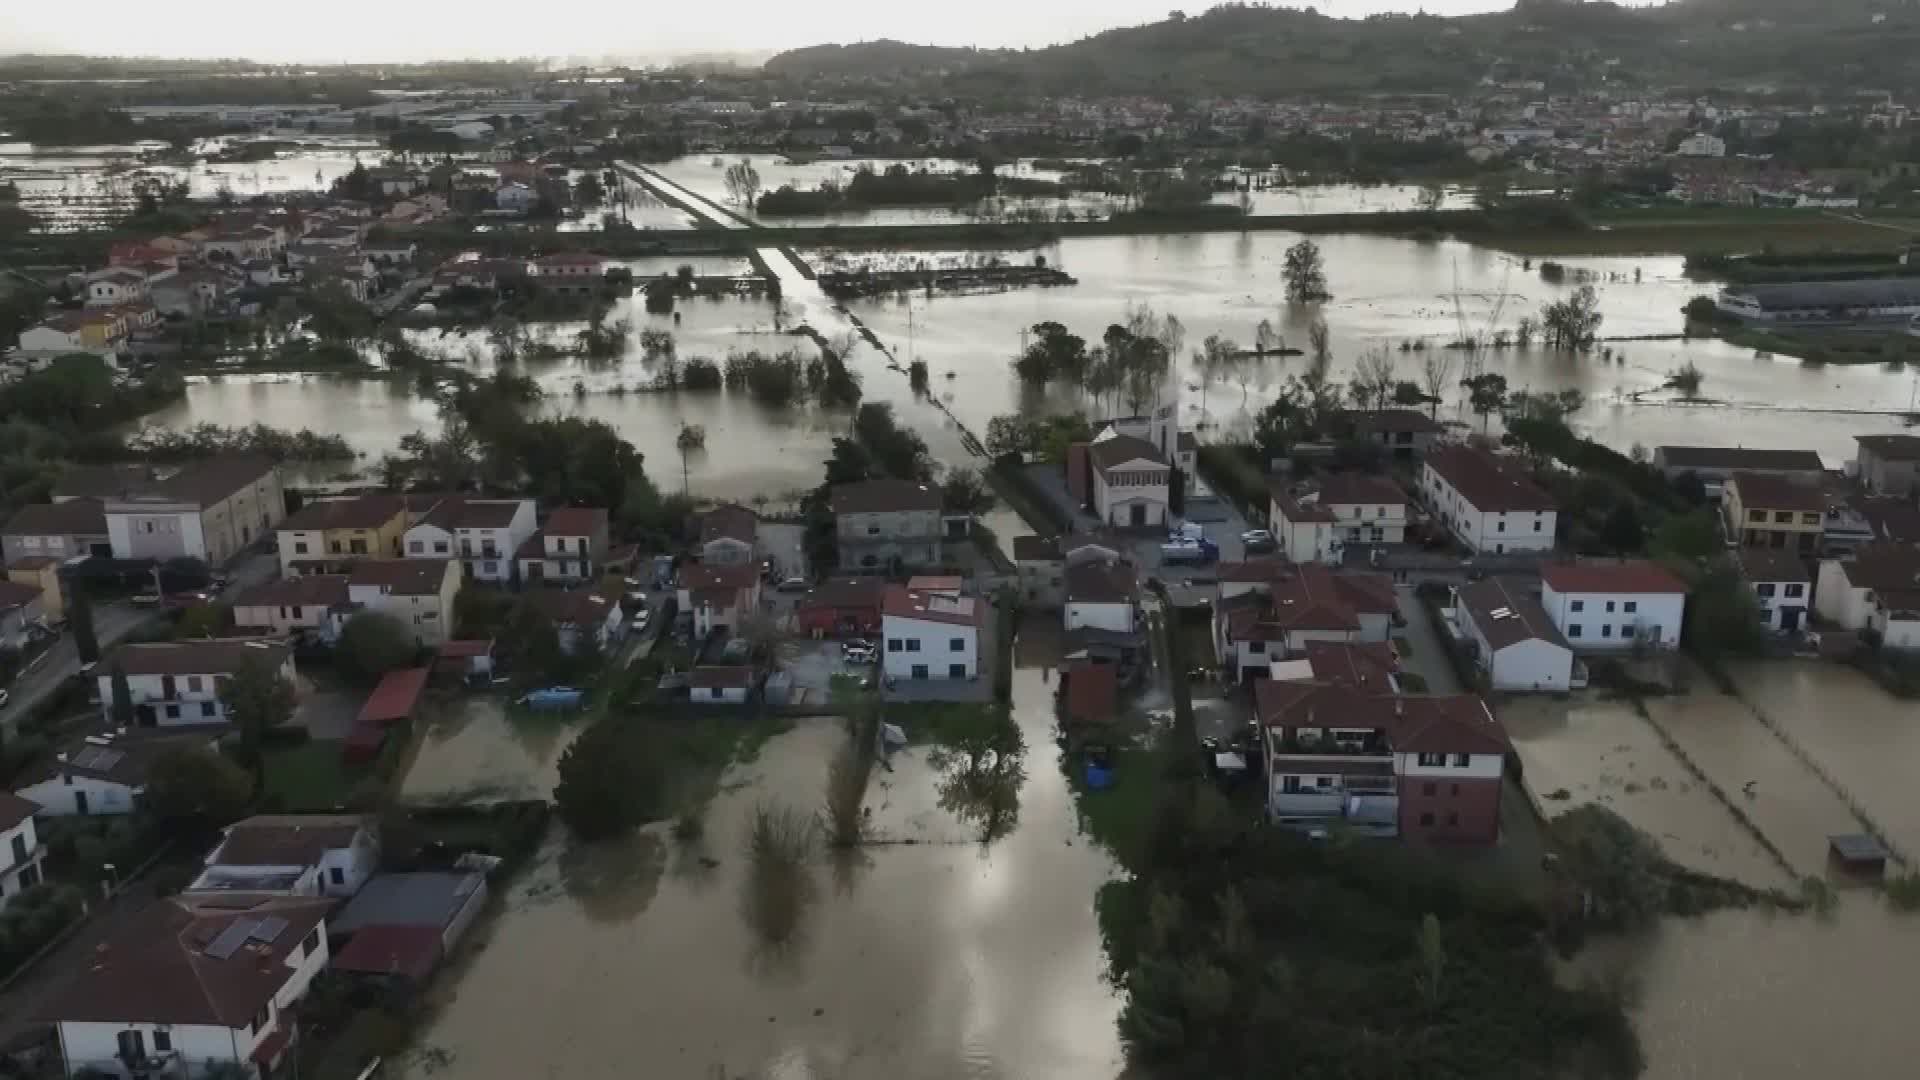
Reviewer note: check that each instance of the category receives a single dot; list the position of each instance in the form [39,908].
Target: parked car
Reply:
[3,698]
[1255,540]
[144,599]
[642,618]
[793,584]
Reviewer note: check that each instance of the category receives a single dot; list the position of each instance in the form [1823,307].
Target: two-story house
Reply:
[210,510]
[577,273]
[1781,585]
[293,855]
[1346,509]
[1712,465]
[329,534]
[1888,464]
[1419,767]
[882,522]
[1487,502]
[1403,433]
[116,286]
[60,530]
[1102,596]
[1130,482]
[1511,638]
[21,851]
[718,596]
[729,533]
[1270,609]
[181,988]
[419,593]
[1772,512]
[1877,589]
[582,614]
[100,774]
[178,683]
[315,604]
[1614,605]
[1042,562]
[484,534]
[930,635]
[571,546]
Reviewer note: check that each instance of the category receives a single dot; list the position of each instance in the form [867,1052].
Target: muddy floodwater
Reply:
[935,958]
[476,752]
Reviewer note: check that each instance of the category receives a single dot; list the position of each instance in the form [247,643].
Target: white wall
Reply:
[1478,767]
[1530,665]
[1772,606]
[1614,620]
[1112,502]
[354,865]
[29,837]
[906,642]
[1302,541]
[57,795]
[1487,531]
[1839,601]
[719,695]
[1115,617]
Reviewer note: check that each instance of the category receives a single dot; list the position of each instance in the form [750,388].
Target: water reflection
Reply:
[614,880]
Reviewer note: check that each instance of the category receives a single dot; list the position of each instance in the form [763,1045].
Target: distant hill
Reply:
[868,59]
[1282,52]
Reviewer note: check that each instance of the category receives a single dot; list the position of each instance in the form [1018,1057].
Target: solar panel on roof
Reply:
[230,939]
[268,928]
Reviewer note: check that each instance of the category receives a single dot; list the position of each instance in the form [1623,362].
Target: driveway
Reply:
[1422,651]
[111,624]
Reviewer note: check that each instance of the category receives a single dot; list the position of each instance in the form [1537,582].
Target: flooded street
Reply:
[475,752]
[935,958]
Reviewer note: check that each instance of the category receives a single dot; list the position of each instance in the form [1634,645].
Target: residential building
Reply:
[582,614]
[20,607]
[99,774]
[329,534]
[113,287]
[729,533]
[842,607]
[1487,502]
[1405,433]
[189,294]
[571,272]
[1888,464]
[718,596]
[406,924]
[1769,512]
[210,510]
[1877,590]
[884,522]
[716,684]
[1614,605]
[571,546]
[180,989]
[1780,583]
[62,530]
[1714,464]
[515,198]
[1270,610]
[417,592]
[21,851]
[41,573]
[483,534]
[1702,144]
[177,683]
[1130,481]
[1426,768]
[1041,564]
[97,332]
[1512,639]
[1347,509]
[1102,596]
[292,855]
[927,636]
[314,604]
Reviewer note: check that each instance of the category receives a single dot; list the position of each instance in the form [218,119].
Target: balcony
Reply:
[1372,745]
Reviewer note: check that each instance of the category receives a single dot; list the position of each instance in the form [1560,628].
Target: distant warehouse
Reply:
[1804,302]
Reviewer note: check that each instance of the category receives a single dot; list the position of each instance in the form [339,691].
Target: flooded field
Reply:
[935,958]
[1773,788]
[1601,752]
[476,753]
[1862,736]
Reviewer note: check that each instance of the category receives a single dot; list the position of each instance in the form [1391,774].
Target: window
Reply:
[162,1041]
[1536,526]
[1796,590]
[1783,517]
[956,644]
[19,850]
[1574,630]
[338,875]
[1429,789]
[1609,607]
[1323,781]
[193,683]
[873,530]
[1809,519]
[1501,527]
[1460,762]
[207,708]
[1426,819]
[1606,629]
[1756,515]
[956,671]
[1256,647]
[358,547]
[913,644]
[1630,606]
[173,712]
[299,547]
[1432,761]
[439,547]
[1626,631]
[1453,817]
[416,547]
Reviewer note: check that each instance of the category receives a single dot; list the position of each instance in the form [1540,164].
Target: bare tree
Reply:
[1214,359]
[1267,339]
[743,183]
[1373,378]
[1436,373]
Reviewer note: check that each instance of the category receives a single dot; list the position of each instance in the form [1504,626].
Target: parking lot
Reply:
[1217,518]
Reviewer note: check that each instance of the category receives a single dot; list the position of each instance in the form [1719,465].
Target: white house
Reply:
[1270,609]
[720,685]
[1513,640]
[1878,589]
[930,636]
[101,774]
[571,546]
[1487,502]
[483,534]
[718,596]
[111,288]
[177,684]
[292,855]
[516,198]
[1130,481]
[1614,605]
[1347,509]
[181,988]
[1703,145]
[417,592]
[209,510]
[21,851]
[1781,585]
[1102,596]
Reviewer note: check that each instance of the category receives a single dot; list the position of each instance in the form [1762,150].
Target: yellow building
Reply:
[1774,512]
[43,573]
[334,532]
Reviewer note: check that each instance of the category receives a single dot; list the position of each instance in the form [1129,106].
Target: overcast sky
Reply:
[383,30]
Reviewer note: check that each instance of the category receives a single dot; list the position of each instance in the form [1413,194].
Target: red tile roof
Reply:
[589,521]
[1457,724]
[720,677]
[395,698]
[1093,692]
[401,577]
[14,810]
[222,656]
[860,592]
[1492,484]
[325,590]
[1352,663]
[883,495]
[1348,488]
[722,576]
[729,522]
[1630,576]
[286,839]
[1762,491]
[1121,449]
[355,512]
[410,951]
[902,603]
